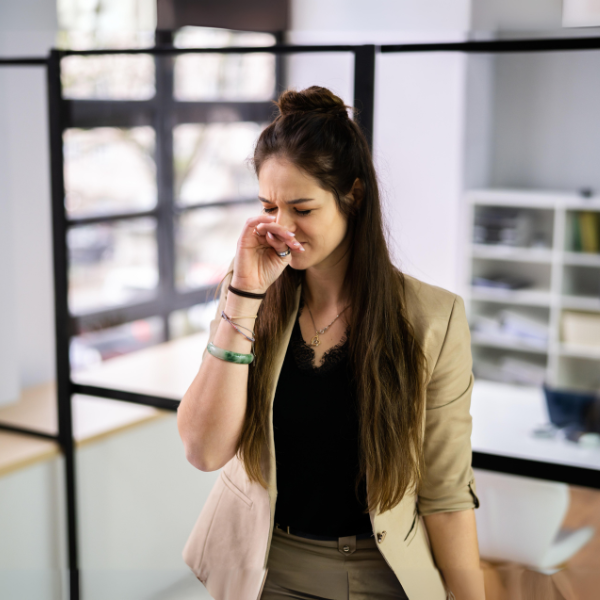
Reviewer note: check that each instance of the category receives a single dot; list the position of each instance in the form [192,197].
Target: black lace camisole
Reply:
[316,442]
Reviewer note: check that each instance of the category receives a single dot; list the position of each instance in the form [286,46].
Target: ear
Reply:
[357,193]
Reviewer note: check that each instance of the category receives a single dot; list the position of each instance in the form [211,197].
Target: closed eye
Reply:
[302,213]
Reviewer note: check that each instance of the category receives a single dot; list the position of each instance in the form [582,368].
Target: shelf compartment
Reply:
[578,373]
[582,233]
[525,328]
[537,275]
[579,280]
[513,226]
[509,366]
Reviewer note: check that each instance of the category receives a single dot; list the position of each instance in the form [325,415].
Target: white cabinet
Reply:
[526,272]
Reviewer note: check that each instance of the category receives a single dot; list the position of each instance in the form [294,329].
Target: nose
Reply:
[285,220]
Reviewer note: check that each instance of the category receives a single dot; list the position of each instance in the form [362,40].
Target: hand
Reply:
[256,265]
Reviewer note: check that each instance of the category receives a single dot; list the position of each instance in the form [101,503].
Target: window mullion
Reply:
[164,121]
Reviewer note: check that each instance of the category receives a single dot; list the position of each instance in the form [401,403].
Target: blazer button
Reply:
[381,537]
[346,548]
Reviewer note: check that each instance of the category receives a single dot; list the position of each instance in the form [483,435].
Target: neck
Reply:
[324,283]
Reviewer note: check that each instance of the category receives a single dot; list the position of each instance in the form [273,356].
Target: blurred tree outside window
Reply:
[109,170]
[155,210]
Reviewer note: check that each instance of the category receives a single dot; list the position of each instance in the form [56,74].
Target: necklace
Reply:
[315,340]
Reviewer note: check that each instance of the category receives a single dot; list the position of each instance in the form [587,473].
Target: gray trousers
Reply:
[306,569]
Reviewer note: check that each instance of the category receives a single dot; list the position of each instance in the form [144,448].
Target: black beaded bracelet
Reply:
[246,294]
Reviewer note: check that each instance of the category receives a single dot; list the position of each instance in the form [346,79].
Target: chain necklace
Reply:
[315,341]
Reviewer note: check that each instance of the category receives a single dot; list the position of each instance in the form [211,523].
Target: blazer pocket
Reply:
[236,490]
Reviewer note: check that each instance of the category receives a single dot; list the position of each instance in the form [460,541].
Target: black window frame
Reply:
[163,113]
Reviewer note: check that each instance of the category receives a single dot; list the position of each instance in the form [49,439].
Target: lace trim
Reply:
[304,354]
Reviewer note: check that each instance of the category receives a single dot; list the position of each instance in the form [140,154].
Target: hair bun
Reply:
[313,99]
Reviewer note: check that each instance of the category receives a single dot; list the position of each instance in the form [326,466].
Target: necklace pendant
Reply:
[315,341]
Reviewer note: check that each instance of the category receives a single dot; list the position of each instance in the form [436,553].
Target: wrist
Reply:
[238,305]
[244,286]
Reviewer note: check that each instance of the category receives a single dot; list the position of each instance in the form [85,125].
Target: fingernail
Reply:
[272,217]
[291,234]
[270,235]
[301,248]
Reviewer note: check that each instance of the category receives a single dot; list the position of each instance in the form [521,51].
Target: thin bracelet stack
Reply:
[228,355]
[236,326]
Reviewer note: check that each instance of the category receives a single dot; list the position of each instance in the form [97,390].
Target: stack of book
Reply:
[510,369]
[501,282]
[503,225]
[510,327]
[586,231]
[580,328]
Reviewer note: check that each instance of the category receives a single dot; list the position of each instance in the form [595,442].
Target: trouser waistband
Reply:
[325,538]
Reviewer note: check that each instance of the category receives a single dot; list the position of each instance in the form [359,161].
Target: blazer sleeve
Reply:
[448,483]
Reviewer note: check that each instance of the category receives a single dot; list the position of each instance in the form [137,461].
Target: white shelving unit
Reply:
[560,277]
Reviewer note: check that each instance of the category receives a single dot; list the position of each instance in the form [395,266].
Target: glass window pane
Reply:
[110,77]
[109,170]
[195,319]
[92,347]
[112,264]
[206,242]
[223,76]
[212,162]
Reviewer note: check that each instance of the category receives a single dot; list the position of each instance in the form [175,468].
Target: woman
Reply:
[358,376]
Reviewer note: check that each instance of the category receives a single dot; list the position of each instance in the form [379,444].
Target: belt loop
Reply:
[347,544]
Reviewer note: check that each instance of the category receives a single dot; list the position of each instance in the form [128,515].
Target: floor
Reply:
[578,580]
[188,588]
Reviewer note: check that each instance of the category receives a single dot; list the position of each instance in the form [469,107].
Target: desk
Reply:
[163,370]
[504,416]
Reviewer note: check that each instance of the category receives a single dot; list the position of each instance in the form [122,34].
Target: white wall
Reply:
[418,148]
[380,15]
[515,15]
[27,28]
[419,118]
[546,123]
[9,373]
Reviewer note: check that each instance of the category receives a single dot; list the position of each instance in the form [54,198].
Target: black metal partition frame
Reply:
[63,113]
[160,112]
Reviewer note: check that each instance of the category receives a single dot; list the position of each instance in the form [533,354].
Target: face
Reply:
[306,209]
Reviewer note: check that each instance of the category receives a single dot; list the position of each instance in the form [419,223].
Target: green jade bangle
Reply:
[229,356]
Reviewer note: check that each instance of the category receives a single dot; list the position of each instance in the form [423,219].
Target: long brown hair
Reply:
[313,132]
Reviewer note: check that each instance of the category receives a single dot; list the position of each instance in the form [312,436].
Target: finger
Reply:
[262,218]
[278,246]
[252,223]
[281,244]
[276,229]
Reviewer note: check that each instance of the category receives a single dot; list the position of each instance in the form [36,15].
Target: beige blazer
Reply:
[229,544]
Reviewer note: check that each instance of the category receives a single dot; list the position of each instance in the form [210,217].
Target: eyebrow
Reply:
[297,201]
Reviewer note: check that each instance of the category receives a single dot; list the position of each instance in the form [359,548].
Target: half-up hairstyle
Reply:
[314,132]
